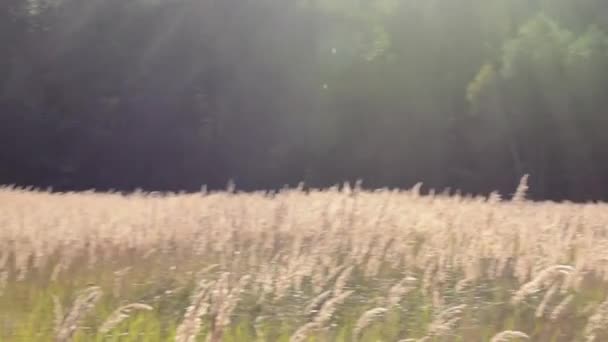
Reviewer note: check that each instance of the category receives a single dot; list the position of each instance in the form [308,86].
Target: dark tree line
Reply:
[174,94]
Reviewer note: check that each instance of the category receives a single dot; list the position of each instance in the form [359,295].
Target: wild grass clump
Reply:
[341,264]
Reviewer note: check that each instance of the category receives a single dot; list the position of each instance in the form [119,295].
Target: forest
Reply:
[171,95]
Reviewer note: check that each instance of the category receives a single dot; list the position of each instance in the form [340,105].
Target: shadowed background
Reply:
[173,94]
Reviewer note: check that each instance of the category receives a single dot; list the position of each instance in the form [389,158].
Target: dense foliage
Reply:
[173,94]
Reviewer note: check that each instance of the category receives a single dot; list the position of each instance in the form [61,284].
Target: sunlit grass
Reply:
[380,266]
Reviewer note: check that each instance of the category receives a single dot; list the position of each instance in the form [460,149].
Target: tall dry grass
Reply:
[340,264]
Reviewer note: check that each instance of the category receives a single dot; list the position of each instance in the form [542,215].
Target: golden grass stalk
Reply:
[437,298]
[320,279]
[84,303]
[367,318]
[559,310]
[540,310]
[4,255]
[190,326]
[597,323]
[258,327]
[445,321]
[342,280]
[199,306]
[226,306]
[397,291]
[545,278]
[509,335]
[121,314]
[58,313]
[3,281]
[522,189]
[317,302]
[200,274]
[329,307]
[462,284]
[304,331]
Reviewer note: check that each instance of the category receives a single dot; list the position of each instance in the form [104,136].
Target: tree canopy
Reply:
[174,94]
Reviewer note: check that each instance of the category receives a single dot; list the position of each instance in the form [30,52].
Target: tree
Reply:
[536,88]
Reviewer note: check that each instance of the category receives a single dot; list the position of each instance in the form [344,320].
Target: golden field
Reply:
[340,264]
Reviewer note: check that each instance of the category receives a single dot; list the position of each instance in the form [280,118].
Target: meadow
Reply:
[339,264]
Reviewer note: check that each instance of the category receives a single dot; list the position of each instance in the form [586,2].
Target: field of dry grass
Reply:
[333,265]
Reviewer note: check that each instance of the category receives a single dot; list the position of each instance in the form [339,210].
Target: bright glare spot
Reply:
[333,51]
[325,86]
